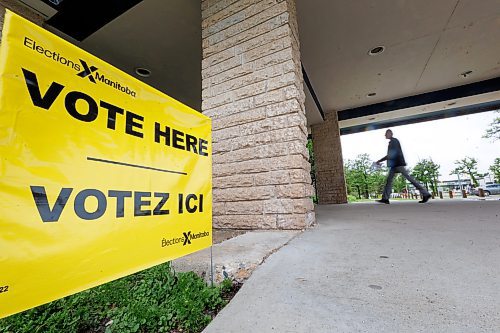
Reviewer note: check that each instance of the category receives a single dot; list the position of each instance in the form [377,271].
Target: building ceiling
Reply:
[163,36]
[428,44]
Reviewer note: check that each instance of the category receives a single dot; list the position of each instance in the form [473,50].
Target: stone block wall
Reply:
[252,88]
[330,180]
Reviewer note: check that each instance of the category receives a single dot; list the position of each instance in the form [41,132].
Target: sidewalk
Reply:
[403,267]
[235,258]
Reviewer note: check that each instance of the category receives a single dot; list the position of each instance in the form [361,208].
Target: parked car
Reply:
[492,189]
[488,189]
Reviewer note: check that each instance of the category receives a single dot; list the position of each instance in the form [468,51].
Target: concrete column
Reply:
[330,179]
[253,91]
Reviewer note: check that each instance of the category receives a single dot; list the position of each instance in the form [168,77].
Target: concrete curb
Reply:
[235,258]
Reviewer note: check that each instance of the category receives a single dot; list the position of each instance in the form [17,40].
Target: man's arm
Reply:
[382,159]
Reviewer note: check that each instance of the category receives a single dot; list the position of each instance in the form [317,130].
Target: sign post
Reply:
[101,175]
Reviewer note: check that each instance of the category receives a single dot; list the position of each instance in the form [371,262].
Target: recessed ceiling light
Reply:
[376,50]
[465,74]
[371,94]
[144,72]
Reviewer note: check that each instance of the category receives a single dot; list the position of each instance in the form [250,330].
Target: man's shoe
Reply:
[384,201]
[426,198]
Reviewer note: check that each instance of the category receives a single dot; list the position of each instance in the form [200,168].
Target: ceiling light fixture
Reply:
[144,72]
[376,50]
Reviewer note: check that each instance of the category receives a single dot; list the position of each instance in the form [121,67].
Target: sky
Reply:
[444,141]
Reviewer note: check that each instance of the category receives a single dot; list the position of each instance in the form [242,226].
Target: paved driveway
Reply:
[404,267]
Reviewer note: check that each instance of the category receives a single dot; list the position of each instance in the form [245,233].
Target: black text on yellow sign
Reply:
[101,175]
[88,111]
[142,201]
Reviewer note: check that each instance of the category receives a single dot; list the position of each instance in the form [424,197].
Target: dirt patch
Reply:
[228,295]
[220,235]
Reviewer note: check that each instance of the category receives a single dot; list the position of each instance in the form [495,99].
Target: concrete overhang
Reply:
[428,46]
[163,36]
[457,101]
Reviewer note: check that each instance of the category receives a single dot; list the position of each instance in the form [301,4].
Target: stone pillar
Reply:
[252,88]
[330,179]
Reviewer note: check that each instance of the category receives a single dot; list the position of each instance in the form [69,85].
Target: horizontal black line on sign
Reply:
[135,166]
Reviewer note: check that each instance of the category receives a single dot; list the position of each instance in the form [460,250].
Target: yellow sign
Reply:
[101,175]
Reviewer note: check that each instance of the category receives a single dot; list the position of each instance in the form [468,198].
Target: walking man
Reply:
[396,164]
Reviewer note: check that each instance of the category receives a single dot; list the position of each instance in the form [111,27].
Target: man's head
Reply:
[388,134]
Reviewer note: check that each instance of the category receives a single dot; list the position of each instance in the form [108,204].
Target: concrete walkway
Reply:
[404,267]
[235,258]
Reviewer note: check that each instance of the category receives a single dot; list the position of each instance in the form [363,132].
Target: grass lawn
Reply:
[154,300]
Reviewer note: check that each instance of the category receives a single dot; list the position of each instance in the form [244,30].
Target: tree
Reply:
[361,179]
[427,172]
[468,166]
[377,181]
[493,132]
[399,183]
[351,179]
[358,172]
[495,169]
[420,174]
[311,160]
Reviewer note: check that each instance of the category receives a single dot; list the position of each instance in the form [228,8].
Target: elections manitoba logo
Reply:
[87,71]
[186,239]
[82,67]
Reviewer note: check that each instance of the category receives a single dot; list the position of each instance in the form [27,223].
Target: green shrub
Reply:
[154,300]
[351,198]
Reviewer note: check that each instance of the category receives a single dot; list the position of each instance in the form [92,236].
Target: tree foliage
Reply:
[377,181]
[357,173]
[495,169]
[363,180]
[399,183]
[311,160]
[493,131]
[468,166]
[427,172]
